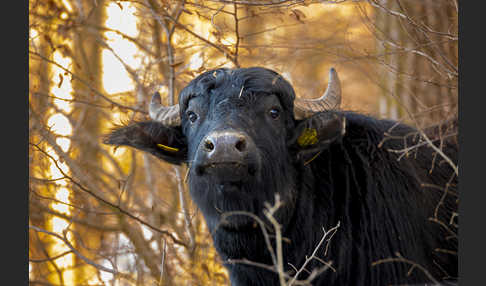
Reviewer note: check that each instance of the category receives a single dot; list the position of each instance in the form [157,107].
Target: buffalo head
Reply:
[243,135]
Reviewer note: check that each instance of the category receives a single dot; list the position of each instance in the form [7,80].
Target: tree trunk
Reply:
[87,64]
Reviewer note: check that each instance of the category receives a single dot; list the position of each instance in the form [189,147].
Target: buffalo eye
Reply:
[274,113]
[192,116]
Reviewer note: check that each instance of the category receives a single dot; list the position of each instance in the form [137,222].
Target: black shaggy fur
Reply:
[385,204]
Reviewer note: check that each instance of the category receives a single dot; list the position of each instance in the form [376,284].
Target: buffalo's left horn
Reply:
[168,115]
[331,99]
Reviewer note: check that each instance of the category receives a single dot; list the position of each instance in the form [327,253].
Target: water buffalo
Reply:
[245,138]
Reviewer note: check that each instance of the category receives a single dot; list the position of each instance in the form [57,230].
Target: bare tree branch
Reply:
[84,258]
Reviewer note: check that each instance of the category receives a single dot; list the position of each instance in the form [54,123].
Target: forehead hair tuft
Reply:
[253,79]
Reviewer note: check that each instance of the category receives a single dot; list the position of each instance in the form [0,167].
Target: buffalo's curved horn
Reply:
[331,99]
[168,115]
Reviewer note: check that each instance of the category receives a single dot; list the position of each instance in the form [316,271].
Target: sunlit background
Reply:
[95,64]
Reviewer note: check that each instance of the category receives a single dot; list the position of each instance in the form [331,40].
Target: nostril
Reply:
[209,145]
[241,145]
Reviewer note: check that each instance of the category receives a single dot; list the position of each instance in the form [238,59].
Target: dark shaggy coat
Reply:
[386,205]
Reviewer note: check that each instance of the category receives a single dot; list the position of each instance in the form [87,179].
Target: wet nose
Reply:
[225,146]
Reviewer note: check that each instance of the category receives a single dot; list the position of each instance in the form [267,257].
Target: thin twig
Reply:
[331,231]
[84,258]
[122,211]
[414,265]
[50,258]
[422,27]
[237,34]
[164,250]
[95,91]
[185,212]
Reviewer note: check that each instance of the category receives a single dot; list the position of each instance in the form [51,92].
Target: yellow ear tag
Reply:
[308,137]
[167,148]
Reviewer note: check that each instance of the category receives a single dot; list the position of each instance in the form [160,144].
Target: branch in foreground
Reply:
[332,231]
[97,197]
[414,265]
[95,91]
[284,278]
[84,258]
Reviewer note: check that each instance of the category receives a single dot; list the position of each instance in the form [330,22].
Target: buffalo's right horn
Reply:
[331,99]
[168,115]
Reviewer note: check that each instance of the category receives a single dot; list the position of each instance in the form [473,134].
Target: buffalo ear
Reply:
[316,133]
[166,143]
